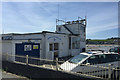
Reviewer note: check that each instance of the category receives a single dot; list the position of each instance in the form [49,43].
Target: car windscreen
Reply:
[77,58]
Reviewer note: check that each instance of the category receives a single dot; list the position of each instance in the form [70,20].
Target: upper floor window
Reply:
[75,43]
[59,28]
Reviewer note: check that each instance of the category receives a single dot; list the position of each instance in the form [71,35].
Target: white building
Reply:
[69,39]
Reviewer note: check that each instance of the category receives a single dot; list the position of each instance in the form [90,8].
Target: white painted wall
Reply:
[6,50]
[76,29]
[63,44]
[7,46]
[28,36]
[63,29]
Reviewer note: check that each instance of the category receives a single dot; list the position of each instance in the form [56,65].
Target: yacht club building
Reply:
[69,39]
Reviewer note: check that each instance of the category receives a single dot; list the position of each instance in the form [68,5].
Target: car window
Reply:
[111,50]
[108,58]
[115,57]
[102,58]
[77,58]
[112,58]
[116,49]
[92,60]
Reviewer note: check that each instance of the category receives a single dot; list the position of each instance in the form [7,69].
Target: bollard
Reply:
[109,72]
[57,64]
[26,59]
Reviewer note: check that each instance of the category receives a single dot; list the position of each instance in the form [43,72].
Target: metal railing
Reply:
[102,72]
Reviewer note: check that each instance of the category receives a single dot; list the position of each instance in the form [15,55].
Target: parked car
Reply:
[116,49]
[96,58]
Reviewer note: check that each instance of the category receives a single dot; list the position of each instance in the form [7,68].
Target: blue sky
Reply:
[30,17]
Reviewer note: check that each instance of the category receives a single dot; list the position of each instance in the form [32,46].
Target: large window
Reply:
[75,43]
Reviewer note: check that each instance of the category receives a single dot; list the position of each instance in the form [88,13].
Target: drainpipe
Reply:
[44,46]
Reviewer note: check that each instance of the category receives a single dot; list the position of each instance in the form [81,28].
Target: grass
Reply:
[104,40]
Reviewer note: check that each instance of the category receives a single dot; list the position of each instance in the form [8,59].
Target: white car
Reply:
[96,58]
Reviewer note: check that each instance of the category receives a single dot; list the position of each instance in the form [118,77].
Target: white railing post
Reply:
[109,72]
[57,64]
[26,59]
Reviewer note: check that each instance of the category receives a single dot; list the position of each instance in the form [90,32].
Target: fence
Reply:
[102,72]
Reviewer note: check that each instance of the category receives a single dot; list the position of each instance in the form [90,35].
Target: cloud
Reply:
[93,30]
[40,16]
[22,16]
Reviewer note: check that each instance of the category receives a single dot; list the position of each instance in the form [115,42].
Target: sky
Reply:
[31,17]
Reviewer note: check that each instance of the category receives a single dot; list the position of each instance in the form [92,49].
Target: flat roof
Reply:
[38,33]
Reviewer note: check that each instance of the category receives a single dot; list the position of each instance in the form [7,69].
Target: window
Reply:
[69,42]
[59,28]
[111,50]
[92,60]
[115,57]
[55,46]
[116,49]
[82,28]
[102,58]
[75,43]
[108,58]
[51,47]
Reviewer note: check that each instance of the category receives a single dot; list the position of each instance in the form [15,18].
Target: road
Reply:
[100,47]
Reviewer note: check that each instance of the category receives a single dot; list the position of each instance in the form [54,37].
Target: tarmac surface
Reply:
[6,75]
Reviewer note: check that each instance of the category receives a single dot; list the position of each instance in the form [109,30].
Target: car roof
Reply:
[97,53]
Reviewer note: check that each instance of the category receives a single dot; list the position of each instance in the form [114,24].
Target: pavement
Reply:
[9,76]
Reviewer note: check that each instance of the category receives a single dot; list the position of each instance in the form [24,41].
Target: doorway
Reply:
[54,47]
